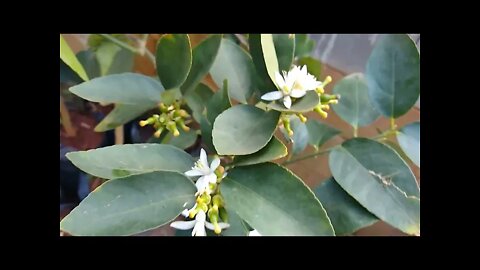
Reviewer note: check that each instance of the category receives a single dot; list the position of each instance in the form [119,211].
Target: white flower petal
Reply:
[254,233]
[214,165]
[275,95]
[199,229]
[203,158]
[200,217]
[183,225]
[279,80]
[304,70]
[211,178]
[193,172]
[287,101]
[209,226]
[297,93]
[223,225]
[202,185]
[185,213]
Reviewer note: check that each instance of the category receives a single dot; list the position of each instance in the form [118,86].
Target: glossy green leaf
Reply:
[125,88]
[127,159]
[237,226]
[303,45]
[218,103]
[121,114]
[300,135]
[393,75]
[105,55]
[243,130]
[89,61]
[303,104]
[409,139]
[346,214]
[131,205]
[354,106]
[285,49]
[275,149]
[203,56]
[122,62]
[197,100]
[379,180]
[206,127]
[174,59]
[182,141]
[319,133]
[314,66]
[274,201]
[265,60]
[67,56]
[235,65]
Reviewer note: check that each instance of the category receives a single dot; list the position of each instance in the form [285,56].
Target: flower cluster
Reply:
[295,84]
[170,117]
[209,201]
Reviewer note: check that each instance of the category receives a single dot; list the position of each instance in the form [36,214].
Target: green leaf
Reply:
[393,75]
[182,141]
[121,114]
[284,48]
[235,65]
[218,103]
[346,214]
[303,104]
[300,135]
[275,149]
[89,61]
[174,59]
[265,60]
[197,100]
[303,45]
[409,139]
[314,66]
[105,55]
[122,62]
[379,180]
[243,130]
[274,201]
[131,205]
[237,228]
[354,106]
[206,128]
[203,56]
[126,88]
[127,159]
[67,56]
[319,133]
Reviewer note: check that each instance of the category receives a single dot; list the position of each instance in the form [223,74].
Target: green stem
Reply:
[309,156]
[392,123]
[355,132]
[120,43]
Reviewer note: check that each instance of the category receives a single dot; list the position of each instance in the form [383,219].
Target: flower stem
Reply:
[120,43]
[355,131]
[309,156]
[66,121]
[119,135]
[392,123]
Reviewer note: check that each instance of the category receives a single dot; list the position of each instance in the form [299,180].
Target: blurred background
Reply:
[340,55]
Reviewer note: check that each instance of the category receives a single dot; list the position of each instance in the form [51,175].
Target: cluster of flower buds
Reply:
[171,116]
[209,201]
[325,99]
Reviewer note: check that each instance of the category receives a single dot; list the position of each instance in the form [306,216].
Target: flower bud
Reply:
[302,117]
[223,214]
[218,200]
[172,127]
[158,132]
[219,173]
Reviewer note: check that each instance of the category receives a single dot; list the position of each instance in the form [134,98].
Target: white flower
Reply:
[294,84]
[206,172]
[254,233]
[198,224]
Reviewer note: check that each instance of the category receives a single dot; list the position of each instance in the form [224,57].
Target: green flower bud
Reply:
[218,200]
[223,214]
